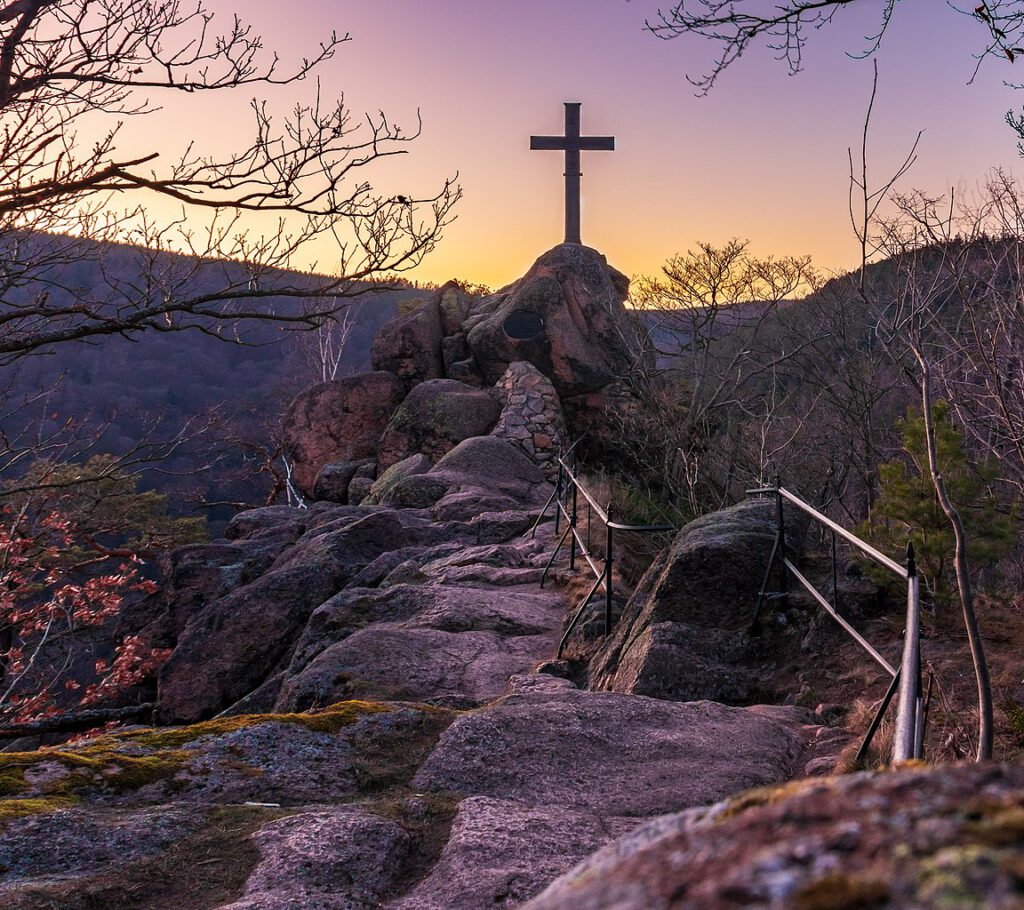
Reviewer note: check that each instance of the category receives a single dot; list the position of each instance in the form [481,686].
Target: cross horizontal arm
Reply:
[548,143]
[597,144]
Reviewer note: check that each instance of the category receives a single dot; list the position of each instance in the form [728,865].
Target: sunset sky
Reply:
[763,157]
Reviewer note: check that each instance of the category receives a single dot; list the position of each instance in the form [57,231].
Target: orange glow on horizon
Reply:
[763,158]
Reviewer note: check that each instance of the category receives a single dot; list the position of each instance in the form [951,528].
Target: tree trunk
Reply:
[74,723]
[963,577]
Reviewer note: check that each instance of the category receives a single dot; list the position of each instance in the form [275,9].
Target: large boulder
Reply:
[565,316]
[410,345]
[685,633]
[394,475]
[481,474]
[628,755]
[338,421]
[434,418]
[922,839]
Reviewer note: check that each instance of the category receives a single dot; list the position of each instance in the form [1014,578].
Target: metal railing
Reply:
[911,712]
[573,501]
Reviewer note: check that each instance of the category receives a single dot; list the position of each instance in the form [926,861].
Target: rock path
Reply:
[461,779]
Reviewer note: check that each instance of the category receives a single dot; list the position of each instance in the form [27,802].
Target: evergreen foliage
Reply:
[908,509]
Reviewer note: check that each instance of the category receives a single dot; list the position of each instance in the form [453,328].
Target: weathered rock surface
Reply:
[587,337]
[342,859]
[685,633]
[338,421]
[502,853]
[631,756]
[434,418]
[409,346]
[76,842]
[332,483]
[234,642]
[905,840]
[414,662]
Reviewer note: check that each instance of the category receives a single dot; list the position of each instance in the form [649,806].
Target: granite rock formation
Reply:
[545,358]
[338,421]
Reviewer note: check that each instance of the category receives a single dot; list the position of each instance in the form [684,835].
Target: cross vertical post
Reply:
[572,143]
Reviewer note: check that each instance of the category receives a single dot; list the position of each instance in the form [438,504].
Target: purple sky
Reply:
[763,157]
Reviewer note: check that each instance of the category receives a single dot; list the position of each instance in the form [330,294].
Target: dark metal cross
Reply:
[572,143]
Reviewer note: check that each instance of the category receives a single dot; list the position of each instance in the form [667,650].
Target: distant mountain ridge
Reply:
[126,384]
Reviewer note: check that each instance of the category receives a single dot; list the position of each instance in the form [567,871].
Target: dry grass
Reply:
[952,715]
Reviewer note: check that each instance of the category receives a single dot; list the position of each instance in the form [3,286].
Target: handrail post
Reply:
[572,533]
[559,485]
[608,564]
[835,575]
[781,517]
[905,741]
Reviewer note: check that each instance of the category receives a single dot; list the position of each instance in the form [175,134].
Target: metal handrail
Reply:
[911,709]
[565,498]
[848,536]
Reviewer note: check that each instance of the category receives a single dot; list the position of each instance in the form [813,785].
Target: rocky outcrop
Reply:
[246,618]
[555,345]
[410,345]
[333,481]
[906,840]
[338,421]
[686,632]
[435,417]
[523,748]
[531,415]
[575,329]
[233,643]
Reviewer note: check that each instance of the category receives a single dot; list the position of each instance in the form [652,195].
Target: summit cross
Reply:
[572,143]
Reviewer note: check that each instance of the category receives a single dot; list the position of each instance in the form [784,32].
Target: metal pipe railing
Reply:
[569,489]
[911,711]
[906,743]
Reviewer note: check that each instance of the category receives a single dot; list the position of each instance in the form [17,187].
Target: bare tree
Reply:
[323,348]
[909,313]
[736,25]
[74,76]
[704,317]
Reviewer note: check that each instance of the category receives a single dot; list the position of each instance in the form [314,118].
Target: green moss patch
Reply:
[100,766]
[124,762]
[22,808]
[330,720]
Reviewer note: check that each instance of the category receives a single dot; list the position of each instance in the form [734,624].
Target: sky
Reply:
[763,157]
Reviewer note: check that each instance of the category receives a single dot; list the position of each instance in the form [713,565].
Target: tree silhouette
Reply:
[77,79]
[784,27]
